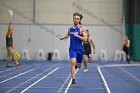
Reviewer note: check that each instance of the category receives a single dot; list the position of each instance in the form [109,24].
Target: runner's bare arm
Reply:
[66,35]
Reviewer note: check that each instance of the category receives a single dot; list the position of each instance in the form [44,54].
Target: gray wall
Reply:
[60,11]
[33,38]
[39,24]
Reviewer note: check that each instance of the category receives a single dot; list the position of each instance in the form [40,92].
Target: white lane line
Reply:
[54,88]
[66,90]
[103,79]
[137,79]
[17,75]
[114,65]
[121,65]
[39,80]
[16,71]
[7,70]
[62,86]
[30,79]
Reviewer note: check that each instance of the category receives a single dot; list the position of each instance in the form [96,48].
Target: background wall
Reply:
[38,24]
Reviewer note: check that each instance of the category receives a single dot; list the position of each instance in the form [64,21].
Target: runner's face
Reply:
[76,20]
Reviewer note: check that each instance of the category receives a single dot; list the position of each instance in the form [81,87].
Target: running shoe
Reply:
[73,81]
[85,70]
[18,65]
[8,65]
[76,67]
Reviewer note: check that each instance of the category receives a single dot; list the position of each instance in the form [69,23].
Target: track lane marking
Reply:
[39,80]
[30,79]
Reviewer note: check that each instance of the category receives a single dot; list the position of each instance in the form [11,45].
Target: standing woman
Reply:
[125,49]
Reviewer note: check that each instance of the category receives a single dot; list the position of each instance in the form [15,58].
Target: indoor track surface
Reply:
[54,77]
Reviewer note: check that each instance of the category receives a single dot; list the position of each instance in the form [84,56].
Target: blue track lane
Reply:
[54,77]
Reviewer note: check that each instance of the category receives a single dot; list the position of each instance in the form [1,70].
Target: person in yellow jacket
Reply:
[11,53]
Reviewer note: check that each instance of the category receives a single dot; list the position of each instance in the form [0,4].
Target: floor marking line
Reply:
[55,88]
[39,80]
[17,75]
[66,90]
[103,79]
[114,65]
[130,74]
[121,65]
[62,86]
[30,79]
[7,70]
[16,71]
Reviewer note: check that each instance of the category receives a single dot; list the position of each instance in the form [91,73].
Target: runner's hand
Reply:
[61,38]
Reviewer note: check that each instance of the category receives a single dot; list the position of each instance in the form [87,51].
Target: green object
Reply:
[133,32]
[9,41]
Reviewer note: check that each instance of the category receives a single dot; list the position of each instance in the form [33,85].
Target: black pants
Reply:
[127,56]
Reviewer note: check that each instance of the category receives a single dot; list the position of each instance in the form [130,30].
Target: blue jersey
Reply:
[75,42]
